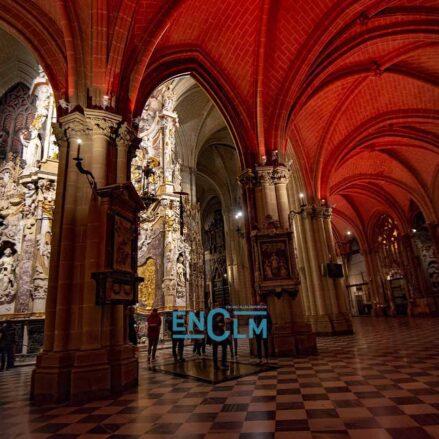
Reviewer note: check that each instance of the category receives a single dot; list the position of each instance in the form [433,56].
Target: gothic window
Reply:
[17,110]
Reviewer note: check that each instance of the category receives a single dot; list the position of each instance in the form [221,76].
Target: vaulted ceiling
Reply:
[351,84]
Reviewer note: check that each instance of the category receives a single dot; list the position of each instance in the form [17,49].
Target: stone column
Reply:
[419,303]
[237,262]
[85,355]
[292,332]
[124,138]
[328,308]
[433,229]
[103,125]
[280,178]
[379,301]
[267,202]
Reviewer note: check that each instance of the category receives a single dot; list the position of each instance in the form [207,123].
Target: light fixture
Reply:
[349,233]
[414,230]
[323,202]
[238,214]
[78,159]
[302,200]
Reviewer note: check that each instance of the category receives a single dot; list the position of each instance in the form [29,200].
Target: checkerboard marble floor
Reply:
[381,383]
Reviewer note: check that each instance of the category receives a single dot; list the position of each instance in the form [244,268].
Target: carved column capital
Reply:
[264,175]
[247,179]
[102,123]
[60,135]
[75,126]
[314,212]
[280,175]
[125,136]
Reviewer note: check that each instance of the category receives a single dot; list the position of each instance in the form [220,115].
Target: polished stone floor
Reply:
[202,369]
[382,382]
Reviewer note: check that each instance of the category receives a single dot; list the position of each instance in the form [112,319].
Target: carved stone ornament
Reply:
[125,136]
[263,175]
[247,178]
[102,126]
[280,175]
[314,212]
[8,277]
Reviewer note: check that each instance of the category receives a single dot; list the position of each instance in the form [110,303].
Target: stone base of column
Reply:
[83,375]
[124,368]
[50,382]
[321,324]
[380,310]
[294,340]
[423,307]
[331,324]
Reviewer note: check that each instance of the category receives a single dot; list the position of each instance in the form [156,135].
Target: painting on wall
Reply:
[274,259]
[122,244]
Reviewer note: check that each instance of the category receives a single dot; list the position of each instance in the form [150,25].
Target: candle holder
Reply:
[78,162]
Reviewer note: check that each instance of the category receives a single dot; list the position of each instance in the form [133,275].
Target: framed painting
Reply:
[122,243]
[275,261]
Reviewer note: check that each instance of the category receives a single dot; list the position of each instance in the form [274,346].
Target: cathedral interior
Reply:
[182,156]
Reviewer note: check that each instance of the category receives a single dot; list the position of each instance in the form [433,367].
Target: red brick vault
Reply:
[348,87]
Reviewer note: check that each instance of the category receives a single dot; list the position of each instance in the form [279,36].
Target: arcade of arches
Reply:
[224,152]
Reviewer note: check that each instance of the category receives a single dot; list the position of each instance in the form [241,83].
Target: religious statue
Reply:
[180,294]
[30,192]
[40,284]
[31,147]
[8,281]
[168,99]
[137,170]
[177,176]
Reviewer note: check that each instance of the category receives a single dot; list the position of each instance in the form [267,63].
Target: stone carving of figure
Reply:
[31,147]
[45,250]
[168,99]
[8,281]
[181,279]
[177,176]
[136,170]
[40,284]
[30,192]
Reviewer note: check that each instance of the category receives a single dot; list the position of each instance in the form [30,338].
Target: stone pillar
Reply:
[237,262]
[267,201]
[292,334]
[85,355]
[419,303]
[280,177]
[103,125]
[433,229]
[328,309]
[379,301]
[123,141]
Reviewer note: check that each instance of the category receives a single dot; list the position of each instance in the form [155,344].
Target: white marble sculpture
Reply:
[8,279]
